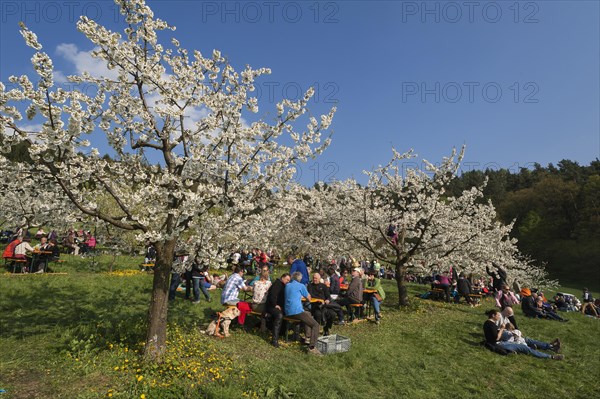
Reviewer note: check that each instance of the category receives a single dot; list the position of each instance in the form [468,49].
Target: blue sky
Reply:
[517,82]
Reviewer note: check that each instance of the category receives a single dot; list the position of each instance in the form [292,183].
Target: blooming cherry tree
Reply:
[434,231]
[186,146]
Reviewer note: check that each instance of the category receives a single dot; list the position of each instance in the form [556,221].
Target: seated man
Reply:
[41,262]
[502,337]
[321,311]
[354,295]
[528,304]
[588,302]
[232,288]
[275,305]
[294,292]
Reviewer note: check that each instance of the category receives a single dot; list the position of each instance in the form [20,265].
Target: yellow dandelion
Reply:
[116,368]
[140,377]
[143,396]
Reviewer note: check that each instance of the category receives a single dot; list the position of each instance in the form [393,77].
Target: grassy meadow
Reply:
[79,335]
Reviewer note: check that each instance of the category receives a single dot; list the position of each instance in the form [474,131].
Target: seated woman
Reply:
[505,339]
[505,299]
[261,286]
[23,248]
[377,298]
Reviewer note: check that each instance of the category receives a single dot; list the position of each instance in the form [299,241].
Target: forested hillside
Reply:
[556,211]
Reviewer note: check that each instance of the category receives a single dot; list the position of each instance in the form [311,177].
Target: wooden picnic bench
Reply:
[438,293]
[147,266]
[16,262]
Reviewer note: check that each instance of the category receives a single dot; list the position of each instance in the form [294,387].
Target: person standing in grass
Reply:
[463,286]
[298,265]
[498,336]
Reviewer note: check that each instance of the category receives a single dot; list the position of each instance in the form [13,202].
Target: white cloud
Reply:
[31,128]
[83,61]
[59,77]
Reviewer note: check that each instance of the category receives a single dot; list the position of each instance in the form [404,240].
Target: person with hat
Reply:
[354,295]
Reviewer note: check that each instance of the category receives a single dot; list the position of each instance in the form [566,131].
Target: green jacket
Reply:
[376,284]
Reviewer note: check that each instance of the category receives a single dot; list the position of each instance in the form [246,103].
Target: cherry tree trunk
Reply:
[156,340]
[400,282]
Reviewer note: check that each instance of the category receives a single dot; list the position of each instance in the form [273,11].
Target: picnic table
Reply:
[36,255]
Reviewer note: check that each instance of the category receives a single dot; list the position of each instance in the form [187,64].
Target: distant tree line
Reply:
[556,211]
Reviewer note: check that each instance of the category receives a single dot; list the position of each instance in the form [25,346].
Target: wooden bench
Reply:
[147,266]
[356,309]
[437,293]
[476,298]
[294,323]
[14,262]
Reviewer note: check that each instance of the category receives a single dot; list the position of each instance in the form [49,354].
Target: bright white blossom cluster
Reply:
[191,165]
[170,170]
[435,232]
[187,151]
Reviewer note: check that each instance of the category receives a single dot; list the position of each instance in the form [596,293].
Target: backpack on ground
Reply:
[497,349]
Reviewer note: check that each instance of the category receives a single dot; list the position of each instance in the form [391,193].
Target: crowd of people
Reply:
[316,293]
[313,294]
[37,257]
[322,294]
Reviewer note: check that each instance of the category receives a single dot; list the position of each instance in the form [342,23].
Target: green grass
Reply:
[78,336]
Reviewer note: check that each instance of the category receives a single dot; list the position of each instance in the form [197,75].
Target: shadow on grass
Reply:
[75,310]
[475,343]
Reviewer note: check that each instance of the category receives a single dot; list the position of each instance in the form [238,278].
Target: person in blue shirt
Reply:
[298,265]
[294,292]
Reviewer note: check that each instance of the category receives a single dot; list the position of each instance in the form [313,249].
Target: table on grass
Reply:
[36,255]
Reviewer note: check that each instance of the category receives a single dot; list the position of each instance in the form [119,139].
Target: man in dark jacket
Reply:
[529,307]
[498,276]
[275,304]
[463,286]
[320,306]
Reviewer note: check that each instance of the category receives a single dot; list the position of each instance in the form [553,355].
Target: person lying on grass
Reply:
[511,341]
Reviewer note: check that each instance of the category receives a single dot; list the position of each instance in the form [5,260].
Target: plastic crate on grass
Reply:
[333,344]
